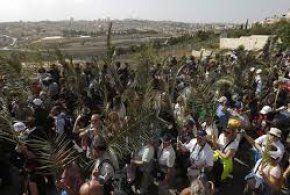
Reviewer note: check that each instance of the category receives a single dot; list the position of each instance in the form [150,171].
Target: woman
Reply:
[226,147]
[266,177]
[71,180]
[114,124]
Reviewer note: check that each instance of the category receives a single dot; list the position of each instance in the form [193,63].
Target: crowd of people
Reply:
[185,140]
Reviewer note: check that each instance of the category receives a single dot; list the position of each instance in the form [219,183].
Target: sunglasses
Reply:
[227,132]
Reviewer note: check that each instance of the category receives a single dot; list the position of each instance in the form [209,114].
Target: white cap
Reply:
[19,126]
[259,71]
[266,110]
[222,99]
[37,102]
[252,69]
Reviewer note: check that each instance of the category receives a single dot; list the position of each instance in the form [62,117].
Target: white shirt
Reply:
[262,140]
[179,112]
[166,156]
[148,153]
[145,154]
[222,143]
[210,129]
[199,155]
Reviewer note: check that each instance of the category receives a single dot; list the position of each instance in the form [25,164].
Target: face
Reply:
[229,133]
[95,121]
[273,138]
[200,140]
[165,144]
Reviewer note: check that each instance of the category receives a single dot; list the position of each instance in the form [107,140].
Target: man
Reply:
[142,163]
[201,155]
[105,165]
[273,137]
[166,159]
[90,133]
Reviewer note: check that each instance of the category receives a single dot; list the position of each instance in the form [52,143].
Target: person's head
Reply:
[30,122]
[99,146]
[37,103]
[83,122]
[164,97]
[55,110]
[275,134]
[266,110]
[113,117]
[229,133]
[41,70]
[201,137]
[199,187]
[92,187]
[233,123]
[95,121]
[223,100]
[19,127]
[180,100]
[166,140]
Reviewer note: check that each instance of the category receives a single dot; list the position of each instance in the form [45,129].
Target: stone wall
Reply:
[253,43]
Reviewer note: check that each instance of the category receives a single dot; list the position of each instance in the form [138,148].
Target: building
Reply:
[276,18]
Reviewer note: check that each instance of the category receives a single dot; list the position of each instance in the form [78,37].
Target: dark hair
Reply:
[99,144]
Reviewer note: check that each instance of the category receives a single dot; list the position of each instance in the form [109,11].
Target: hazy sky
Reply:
[177,10]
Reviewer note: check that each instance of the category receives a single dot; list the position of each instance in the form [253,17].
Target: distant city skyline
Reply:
[192,11]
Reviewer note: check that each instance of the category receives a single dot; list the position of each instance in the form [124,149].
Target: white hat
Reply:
[276,132]
[252,69]
[259,71]
[266,110]
[222,99]
[37,102]
[19,126]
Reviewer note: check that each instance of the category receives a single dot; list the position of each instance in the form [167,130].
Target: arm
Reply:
[227,155]
[138,162]
[251,141]
[286,172]
[214,142]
